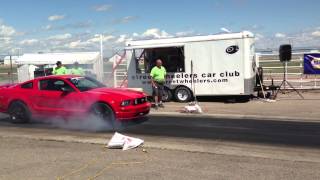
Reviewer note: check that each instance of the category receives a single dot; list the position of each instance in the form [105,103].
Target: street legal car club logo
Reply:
[232,49]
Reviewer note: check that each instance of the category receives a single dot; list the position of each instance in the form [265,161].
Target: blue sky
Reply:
[66,25]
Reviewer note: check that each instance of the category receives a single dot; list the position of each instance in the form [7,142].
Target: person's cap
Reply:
[58,63]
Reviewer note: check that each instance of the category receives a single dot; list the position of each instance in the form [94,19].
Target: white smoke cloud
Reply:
[86,124]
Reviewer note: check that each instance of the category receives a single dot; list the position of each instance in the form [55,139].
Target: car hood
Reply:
[120,92]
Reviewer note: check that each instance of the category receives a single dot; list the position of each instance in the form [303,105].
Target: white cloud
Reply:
[124,20]
[96,39]
[60,37]
[89,43]
[299,39]
[185,33]
[56,17]
[128,19]
[103,7]
[156,33]
[29,42]
[6,31]
[74,25]
[7,34]
[67,42]
[135,34]
[280,35]
[123,38]
[47,27]
[223,29]
[258,37]
[316,33]
[77,44]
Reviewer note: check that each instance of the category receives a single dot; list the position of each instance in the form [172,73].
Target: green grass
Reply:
[276,64]
[6,69]
[279,64]
[5,78]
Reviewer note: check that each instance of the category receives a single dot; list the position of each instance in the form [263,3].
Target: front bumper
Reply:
[133,113]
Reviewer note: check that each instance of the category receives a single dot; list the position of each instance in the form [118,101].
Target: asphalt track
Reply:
[192,133]
[176,147]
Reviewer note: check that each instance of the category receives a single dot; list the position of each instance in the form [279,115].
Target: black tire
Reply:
[167,95]
[105,113]
[182,94]
[19,112]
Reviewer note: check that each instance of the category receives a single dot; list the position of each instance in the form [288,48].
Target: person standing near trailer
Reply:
[158,79]
[77,70]
[59,70]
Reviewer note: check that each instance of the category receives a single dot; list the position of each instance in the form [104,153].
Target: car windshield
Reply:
[86,83]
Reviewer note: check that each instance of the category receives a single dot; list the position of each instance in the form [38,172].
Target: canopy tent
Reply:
[91,60]
[65,58]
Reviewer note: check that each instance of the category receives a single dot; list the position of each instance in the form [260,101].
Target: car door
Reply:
[57,97]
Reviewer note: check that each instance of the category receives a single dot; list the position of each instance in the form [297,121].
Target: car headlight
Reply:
[125,103]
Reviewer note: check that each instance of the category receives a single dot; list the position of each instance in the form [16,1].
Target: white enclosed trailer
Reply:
[214,65]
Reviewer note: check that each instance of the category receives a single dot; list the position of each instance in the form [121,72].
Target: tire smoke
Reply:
[90,123]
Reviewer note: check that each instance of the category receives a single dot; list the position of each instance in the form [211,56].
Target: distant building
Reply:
[13,60]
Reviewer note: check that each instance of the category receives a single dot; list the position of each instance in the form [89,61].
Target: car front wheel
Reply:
[105,113]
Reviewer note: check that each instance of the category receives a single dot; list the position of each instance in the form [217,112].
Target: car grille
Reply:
[140,101]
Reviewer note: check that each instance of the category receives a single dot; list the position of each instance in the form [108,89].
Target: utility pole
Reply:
[101,73]
[11,69]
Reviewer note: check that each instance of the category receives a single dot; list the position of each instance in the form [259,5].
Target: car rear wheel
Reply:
[19,112]
[105,113]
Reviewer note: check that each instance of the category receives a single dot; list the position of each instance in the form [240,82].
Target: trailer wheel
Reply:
[167,95]
[183,94]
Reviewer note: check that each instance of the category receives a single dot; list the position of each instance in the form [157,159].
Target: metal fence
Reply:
[274,72]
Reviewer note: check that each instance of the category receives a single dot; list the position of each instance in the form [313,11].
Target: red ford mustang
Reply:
[70,95]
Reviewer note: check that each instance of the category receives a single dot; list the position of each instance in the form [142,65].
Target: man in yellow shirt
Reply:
[158,79]
[76,70]
[59,70]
